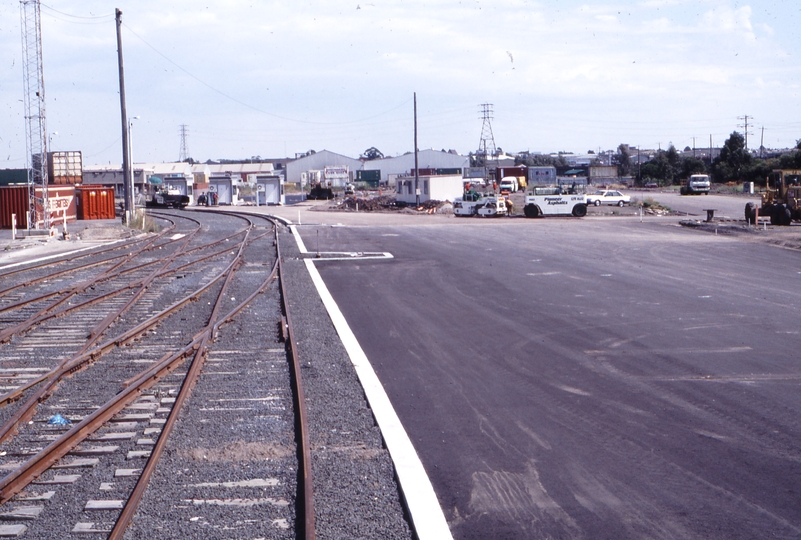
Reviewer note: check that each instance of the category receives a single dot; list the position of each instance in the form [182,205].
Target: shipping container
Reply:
[456,170]
[13,176]
[370,177]
[541,176]
[95,202]
[14,200]
[65,167]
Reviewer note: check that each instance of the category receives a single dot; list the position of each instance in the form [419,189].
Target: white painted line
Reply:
[421,501]
[355,257]
[284,220]
[298,239]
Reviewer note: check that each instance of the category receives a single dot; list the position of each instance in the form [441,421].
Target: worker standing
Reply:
[510,206]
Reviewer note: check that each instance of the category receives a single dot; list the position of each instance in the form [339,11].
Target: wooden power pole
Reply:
[127,168]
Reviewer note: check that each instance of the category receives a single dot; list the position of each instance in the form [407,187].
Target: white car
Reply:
[606,196]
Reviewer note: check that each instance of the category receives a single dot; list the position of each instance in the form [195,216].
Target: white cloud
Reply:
[345,77]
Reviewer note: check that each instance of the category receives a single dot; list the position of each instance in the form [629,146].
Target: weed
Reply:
[648,202]
[141,221]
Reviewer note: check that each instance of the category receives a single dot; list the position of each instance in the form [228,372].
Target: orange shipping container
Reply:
[14,200]
[95,202]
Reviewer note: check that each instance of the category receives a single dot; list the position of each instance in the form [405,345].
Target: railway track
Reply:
[101,394]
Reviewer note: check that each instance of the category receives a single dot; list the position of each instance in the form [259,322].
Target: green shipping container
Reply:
[371,178]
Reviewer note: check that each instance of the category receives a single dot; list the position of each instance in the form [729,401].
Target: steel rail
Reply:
[131,505]
[192,375]
[31,469]
[304,450]
[74,364]
[150,240]
[113,275]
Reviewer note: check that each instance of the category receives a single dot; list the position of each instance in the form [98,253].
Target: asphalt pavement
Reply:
[584,378]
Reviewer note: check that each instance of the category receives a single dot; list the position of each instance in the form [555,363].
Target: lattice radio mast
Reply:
[487,144]
[35,125]
[183,154]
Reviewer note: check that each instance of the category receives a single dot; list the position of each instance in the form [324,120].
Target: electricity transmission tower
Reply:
[183,154]
[35,125]
[486,147]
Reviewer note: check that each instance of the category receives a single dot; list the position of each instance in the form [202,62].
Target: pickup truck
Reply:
[168,198]
[697,184]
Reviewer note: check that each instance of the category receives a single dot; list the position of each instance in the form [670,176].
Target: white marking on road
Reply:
[572,390]
[543,273]
[298,239]
[424,509]
[393,234]
[705,296]
[606,275]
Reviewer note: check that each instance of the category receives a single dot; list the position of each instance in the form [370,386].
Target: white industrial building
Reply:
[318,162]
[393,167]
[446,187]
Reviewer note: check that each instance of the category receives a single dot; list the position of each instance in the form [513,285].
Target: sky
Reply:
[276,78]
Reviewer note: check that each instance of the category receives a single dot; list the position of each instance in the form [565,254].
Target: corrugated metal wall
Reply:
[95,202]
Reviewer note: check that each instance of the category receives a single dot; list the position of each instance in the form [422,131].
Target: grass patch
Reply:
[142,222]
[648,202]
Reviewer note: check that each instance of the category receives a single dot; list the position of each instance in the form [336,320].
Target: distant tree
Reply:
[623,156]
[540,160]
[791,160]
[371,154]
[688,149]
[690,166]
[733,159]
[665,167]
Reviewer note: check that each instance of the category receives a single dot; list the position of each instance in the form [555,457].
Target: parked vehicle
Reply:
[509,185]
[468,204]
[492,207]
[167,198]
[606,196]
[697,184]
[781,200]
[554,200]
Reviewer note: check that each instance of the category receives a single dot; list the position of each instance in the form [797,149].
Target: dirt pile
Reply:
[387,203]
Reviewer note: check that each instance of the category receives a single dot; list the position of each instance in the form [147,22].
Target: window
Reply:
[425,187]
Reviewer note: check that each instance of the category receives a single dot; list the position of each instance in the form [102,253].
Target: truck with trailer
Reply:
[696,184]
[781,200]
[556,200]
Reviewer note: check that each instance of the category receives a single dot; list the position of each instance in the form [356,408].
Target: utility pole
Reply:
[416,170]
[127,169]
[762,143]
[744,125]
[693,147]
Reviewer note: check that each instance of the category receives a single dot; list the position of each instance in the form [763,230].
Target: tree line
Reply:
[734,164]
